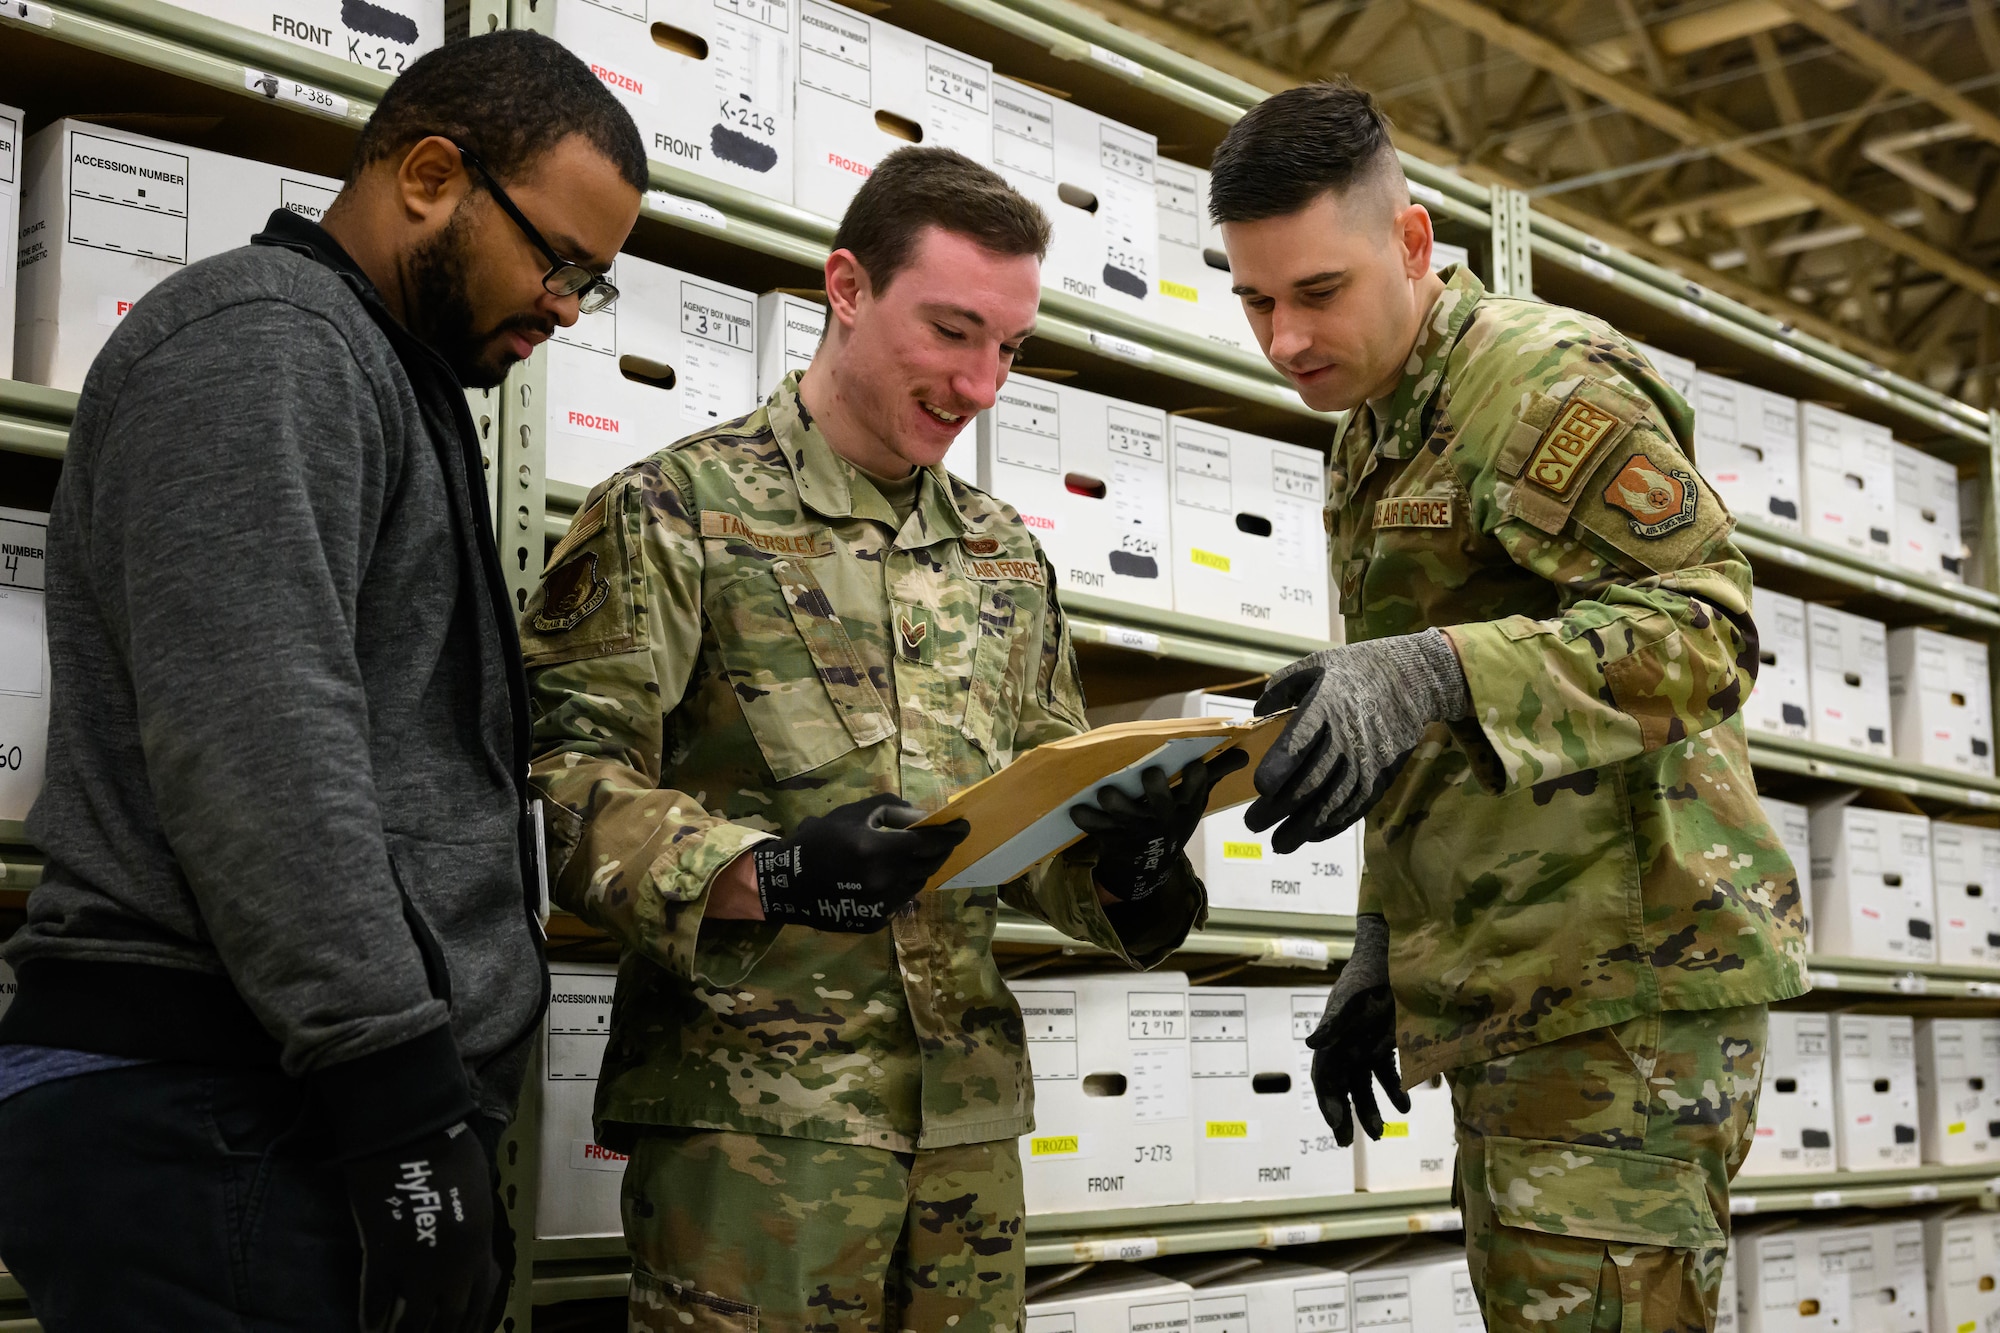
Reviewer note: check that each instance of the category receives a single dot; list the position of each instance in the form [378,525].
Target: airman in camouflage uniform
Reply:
[1586,909]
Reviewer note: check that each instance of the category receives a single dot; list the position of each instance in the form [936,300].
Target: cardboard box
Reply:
[1094,178]
[1850,486]
[1249,537]
[865,88]
[1746,440]
[1961,1269]
[1194,268]
[677,354]
[1258,1133]
[1875,1092]
[1899,1302]
[1272,1294]
[1089,475]
[1872,885]
[1793,824]
[12,167]
[1941,700]
[1677,371]
[384,35]
[709,85]
[1781,700]
[1417,1151]
[579,1179]
[1965,865]
[1116,1298]
[1795,1111]
[24,660]
[1848,660]
[1444,255]
[1419,1289]
[1109,1054]
[1783,1287]
[106,215]
[1240,869]
[1928,541]
[788,334]
[1958,1077]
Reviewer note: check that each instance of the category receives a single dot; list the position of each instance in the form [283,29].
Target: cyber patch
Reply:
[1658,499]
[1579,430]
[572,592]
[1408,512]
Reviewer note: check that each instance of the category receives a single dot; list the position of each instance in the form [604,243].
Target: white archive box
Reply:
[1677,371]
[1109,1053]
[1850,487]
[12,167]
[1240,869]
[24,660]
[1746,440]
[1793,824]
[1089,476]
[709,85]
[1962,1269]
[1875,1092]
[1781,700]
[384,35]
[1873,895]
[1848,660]
[1115,1298]
[1965,875]
[1729,1300]
[1928,541]
[1416,1151]
[1782,1286]
[1258,1133]
[1423,1288]
[1274,1294]
[1194,283]
[1958,1077]
[865,88]
[579,1179]
[788,334]
[1093,177]
[675,355]
[1898,1302]
[1249,535]
[106,215]
[1941,700]
[1795,1110]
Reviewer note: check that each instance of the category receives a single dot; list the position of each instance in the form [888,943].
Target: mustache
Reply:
[523,324]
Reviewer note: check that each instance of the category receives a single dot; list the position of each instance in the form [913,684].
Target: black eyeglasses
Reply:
[566,277]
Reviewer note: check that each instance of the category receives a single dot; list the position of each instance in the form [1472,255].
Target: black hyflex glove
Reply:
[849,870]
[1137,840]
[425,1214]
[1356,1039]
[1362,708]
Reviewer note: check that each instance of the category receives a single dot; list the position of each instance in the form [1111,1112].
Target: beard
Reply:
[441,308]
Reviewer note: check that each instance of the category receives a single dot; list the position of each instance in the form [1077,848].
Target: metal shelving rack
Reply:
[170,59]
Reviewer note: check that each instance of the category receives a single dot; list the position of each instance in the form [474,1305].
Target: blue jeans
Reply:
[175,1198]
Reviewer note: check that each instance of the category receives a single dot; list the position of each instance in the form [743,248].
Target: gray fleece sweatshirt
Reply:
[283,811]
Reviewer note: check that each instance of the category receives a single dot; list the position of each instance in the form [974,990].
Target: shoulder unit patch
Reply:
[570,593]
[1660,500]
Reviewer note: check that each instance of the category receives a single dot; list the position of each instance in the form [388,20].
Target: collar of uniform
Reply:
[1402,431]
[825,479]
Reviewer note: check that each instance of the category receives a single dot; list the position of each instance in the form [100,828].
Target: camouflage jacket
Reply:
[1589,846]
[733,636]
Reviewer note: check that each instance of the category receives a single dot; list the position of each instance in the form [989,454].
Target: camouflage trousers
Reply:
[1594,1172]
[735,1232]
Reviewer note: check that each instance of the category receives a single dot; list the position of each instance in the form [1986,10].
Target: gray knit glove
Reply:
[1362,708]
[1356,1039]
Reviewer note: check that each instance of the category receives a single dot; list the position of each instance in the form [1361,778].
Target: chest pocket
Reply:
[999,668]
[804,689]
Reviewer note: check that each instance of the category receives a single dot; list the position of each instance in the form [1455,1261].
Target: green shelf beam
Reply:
[1976,609]
[1802,758]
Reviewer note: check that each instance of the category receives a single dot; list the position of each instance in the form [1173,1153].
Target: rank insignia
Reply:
[912,628]
[1659,499]
[569,594]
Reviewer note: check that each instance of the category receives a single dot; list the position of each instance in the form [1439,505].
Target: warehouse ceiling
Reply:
[1829,161]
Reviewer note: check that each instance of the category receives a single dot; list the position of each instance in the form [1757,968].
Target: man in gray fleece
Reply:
[278,985]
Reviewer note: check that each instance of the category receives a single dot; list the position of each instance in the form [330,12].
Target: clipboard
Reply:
[1020,815]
